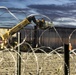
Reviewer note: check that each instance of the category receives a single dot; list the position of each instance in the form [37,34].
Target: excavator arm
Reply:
[18,27]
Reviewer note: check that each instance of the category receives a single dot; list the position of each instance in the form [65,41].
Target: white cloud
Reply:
[73,11]
[65,21]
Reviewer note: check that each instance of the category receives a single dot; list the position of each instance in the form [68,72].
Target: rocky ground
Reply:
[35,63]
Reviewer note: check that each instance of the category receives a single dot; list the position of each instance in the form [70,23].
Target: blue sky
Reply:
[61,12]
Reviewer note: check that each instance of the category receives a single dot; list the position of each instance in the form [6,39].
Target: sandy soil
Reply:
[35,64]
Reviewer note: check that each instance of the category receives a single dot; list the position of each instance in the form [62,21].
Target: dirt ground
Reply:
[35,63]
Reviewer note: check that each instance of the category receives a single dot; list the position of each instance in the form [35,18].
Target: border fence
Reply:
[47,58]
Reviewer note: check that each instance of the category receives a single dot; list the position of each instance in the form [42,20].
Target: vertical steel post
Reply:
[66,60]
[18,57]
[35,36]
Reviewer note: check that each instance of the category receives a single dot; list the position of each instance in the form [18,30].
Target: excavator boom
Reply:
[18,27]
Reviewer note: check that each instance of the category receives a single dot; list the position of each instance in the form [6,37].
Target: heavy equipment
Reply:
[5,37]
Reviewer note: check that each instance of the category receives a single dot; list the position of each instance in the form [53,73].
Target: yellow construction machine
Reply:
[4,38]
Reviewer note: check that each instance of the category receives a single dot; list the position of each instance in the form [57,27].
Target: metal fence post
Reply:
[66,60]
[18,57]
[35,36]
